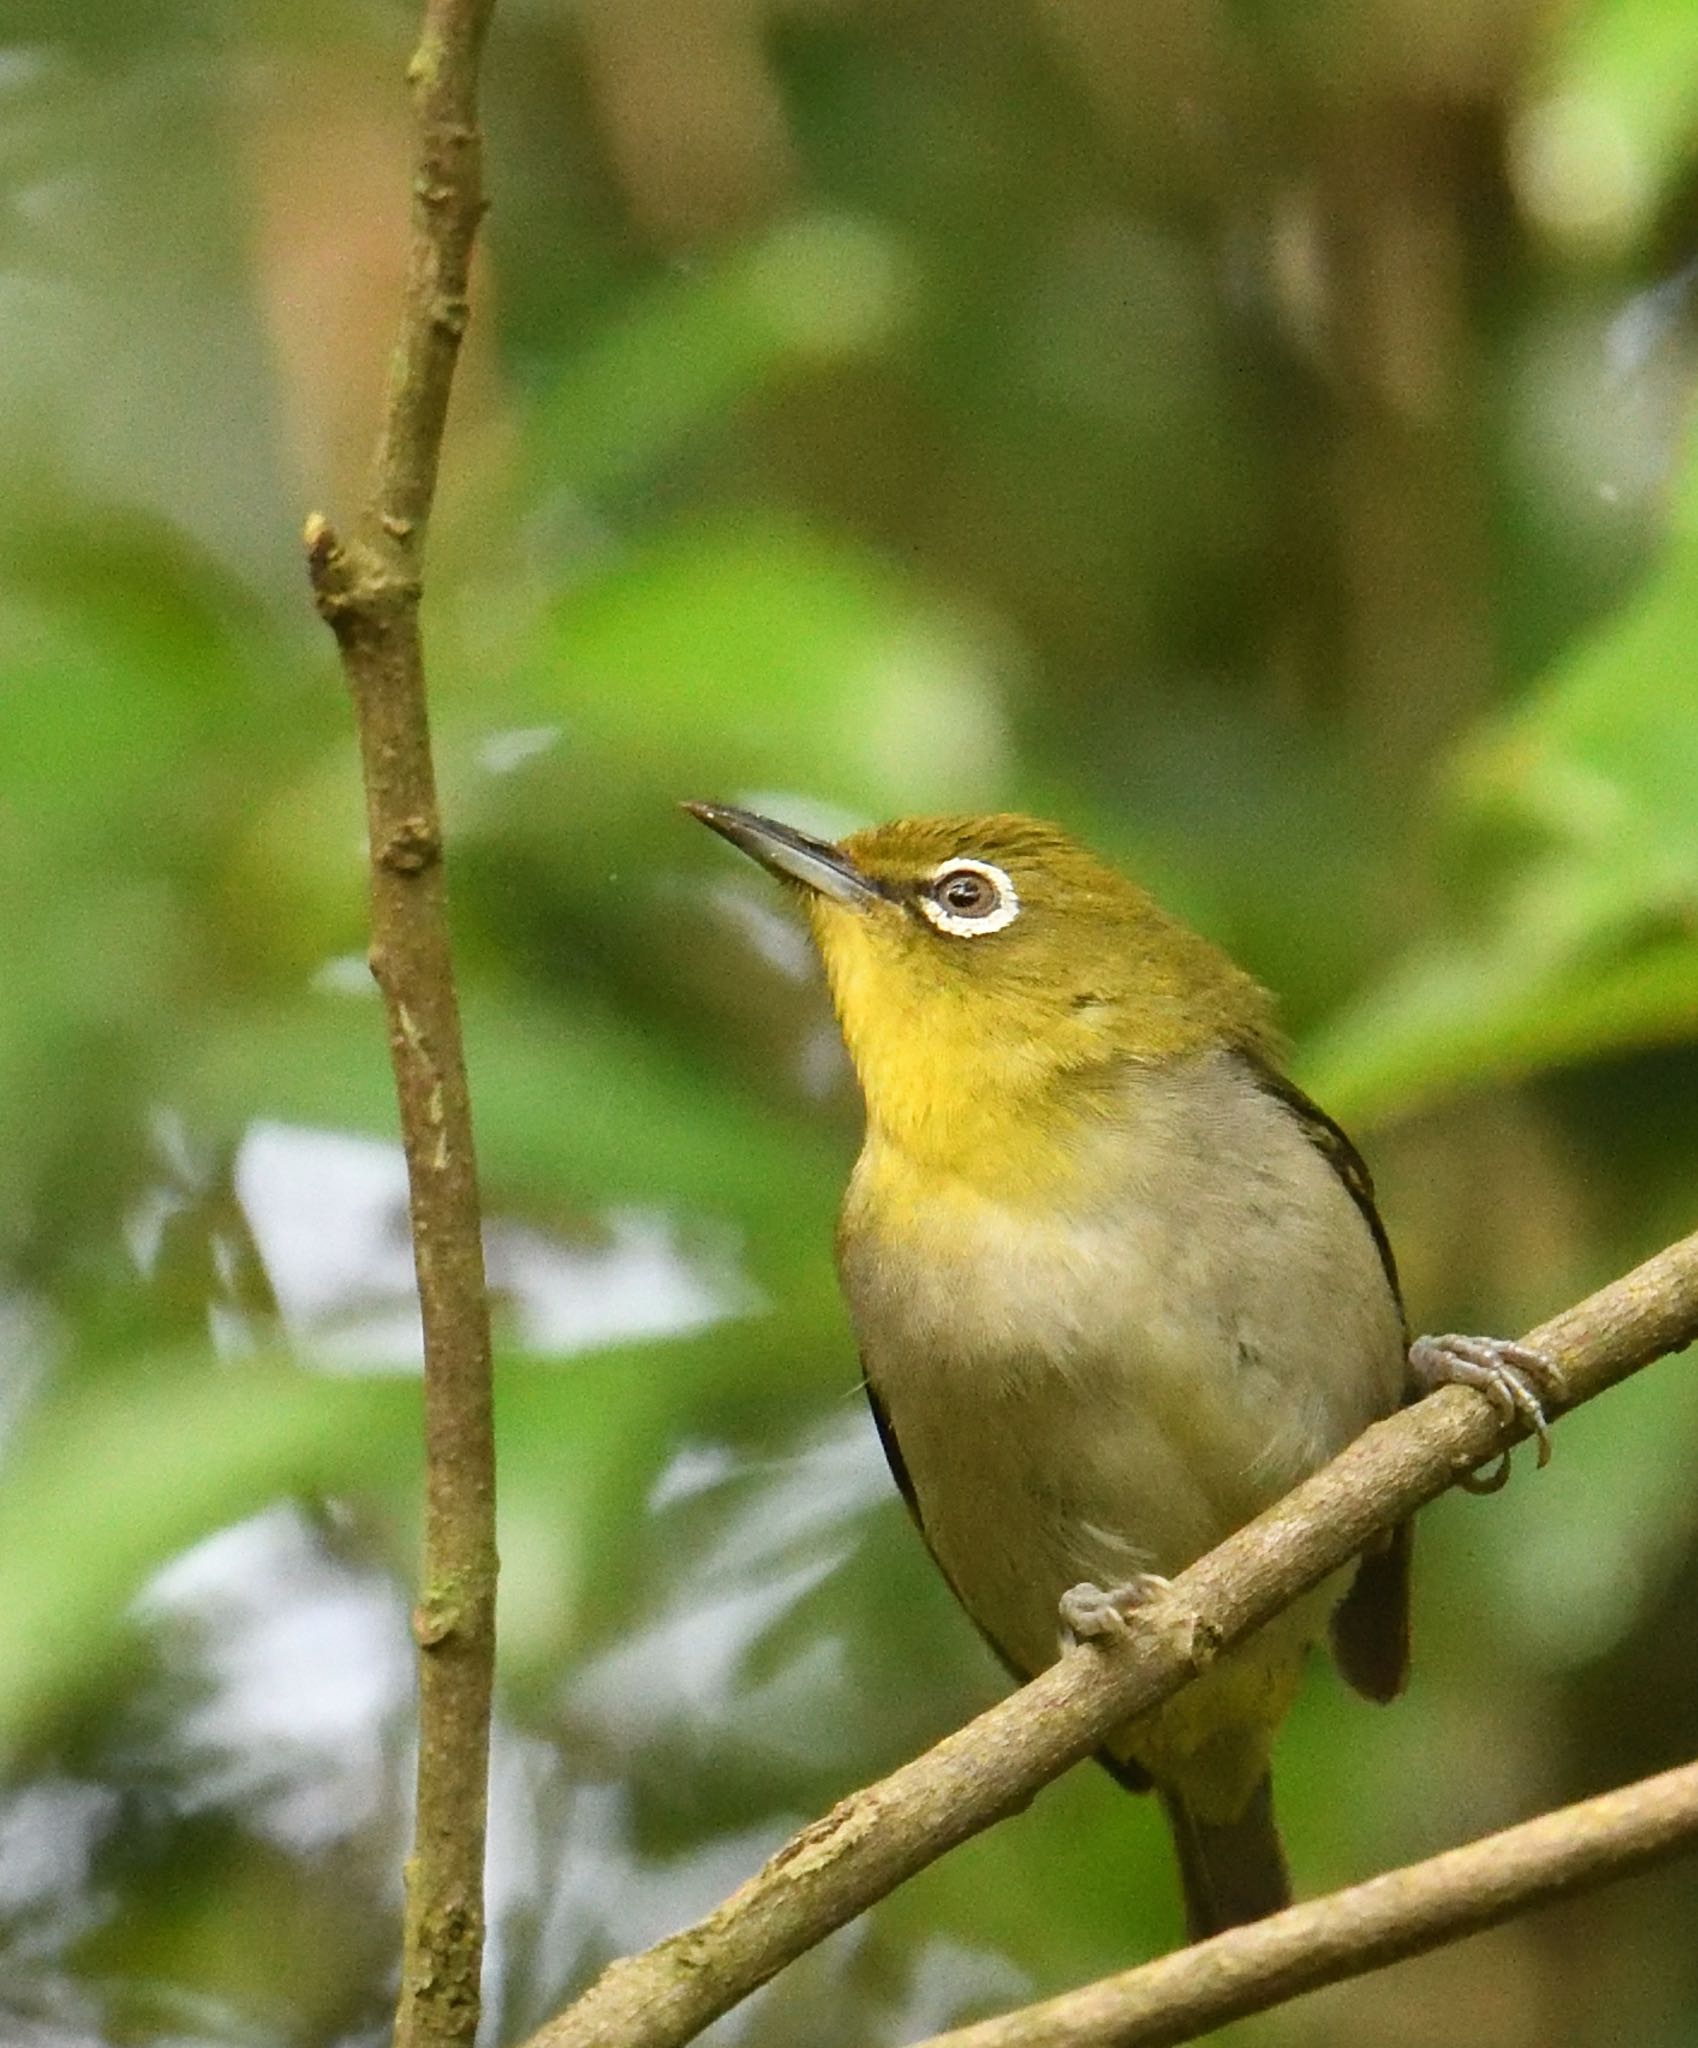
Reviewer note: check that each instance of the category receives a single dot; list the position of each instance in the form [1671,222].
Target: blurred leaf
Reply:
[109,1482]
[1616,112]
[1575,813]
[168,1450]
[576,1104]
[783,660]
[582,1443]
[1450,1021]
[817,290]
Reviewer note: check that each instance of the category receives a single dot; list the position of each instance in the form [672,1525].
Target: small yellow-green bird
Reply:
[1118,1284]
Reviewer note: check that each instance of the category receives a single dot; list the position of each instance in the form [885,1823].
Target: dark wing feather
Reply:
[905,1486]
[893,1453]
[1370,1626]
[1341,1155]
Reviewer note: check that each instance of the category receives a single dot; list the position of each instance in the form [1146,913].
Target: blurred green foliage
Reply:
[1255,436]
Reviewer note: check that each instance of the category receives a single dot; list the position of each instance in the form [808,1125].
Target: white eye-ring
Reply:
[969,898]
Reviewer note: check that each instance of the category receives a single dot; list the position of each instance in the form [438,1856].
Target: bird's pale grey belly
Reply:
[1092,1399]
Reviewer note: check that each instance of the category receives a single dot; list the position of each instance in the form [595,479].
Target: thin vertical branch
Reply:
[368,589]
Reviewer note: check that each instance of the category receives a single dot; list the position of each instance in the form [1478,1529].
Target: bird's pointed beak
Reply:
[791,855]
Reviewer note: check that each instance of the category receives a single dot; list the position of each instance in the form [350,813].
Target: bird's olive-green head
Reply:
[993,978]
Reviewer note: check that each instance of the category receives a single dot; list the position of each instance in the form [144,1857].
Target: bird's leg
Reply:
[1516,1379]
[1091,1613]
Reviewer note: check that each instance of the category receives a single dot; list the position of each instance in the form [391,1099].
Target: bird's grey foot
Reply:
[1100,1613]
[1516,1379]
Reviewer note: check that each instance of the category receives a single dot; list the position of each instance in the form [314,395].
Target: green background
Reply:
[1252,434]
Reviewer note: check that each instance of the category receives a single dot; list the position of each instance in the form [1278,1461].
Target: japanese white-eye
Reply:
[1117,1284]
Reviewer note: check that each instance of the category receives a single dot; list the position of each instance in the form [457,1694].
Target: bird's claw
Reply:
[1515,1378]
[1091,1613]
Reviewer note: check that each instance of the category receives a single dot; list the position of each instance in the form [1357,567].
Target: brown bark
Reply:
[368,589]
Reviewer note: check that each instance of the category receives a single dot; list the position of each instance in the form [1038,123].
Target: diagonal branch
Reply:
[873,1840]
[368,590]
[1349,1933]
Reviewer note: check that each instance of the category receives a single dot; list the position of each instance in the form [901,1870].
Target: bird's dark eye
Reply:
[967,893]
[969,898]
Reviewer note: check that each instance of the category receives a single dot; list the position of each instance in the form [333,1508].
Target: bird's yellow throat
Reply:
[954,1094]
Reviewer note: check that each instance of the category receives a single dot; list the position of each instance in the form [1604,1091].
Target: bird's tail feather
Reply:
[1230,1872]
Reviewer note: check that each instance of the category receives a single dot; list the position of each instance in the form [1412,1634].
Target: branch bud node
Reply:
[412,846]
